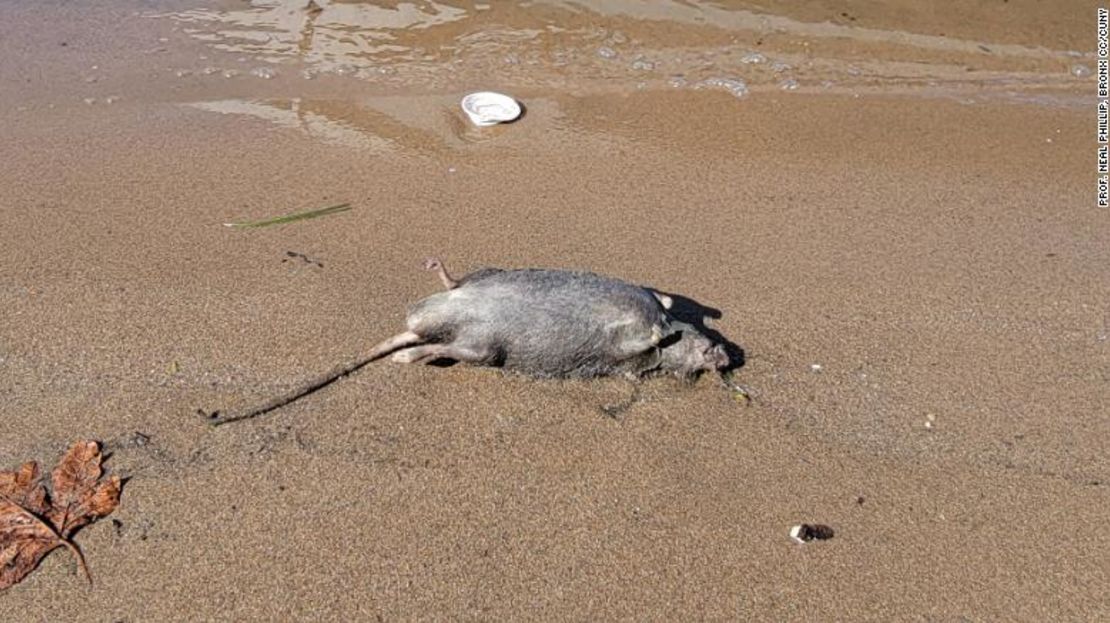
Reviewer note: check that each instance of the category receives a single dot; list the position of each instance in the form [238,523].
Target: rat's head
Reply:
[686,351]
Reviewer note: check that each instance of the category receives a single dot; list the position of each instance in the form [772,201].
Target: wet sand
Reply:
[912,264]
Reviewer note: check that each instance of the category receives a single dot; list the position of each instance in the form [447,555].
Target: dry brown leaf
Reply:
[78,498]
[34,523]
[22,487]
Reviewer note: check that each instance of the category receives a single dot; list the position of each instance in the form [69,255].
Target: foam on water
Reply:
[266,73]
[606,52]
[737,87]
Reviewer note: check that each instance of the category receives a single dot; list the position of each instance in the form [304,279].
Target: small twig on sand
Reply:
[289,218]
[739,393]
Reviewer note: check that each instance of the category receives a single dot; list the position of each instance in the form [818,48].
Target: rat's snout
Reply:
[717,358]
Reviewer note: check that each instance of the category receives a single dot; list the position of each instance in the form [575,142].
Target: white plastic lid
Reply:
[488,108]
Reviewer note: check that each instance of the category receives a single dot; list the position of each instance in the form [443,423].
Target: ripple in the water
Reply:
[317,119]
[553,43]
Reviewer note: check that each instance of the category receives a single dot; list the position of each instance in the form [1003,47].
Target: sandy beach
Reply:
[894,218]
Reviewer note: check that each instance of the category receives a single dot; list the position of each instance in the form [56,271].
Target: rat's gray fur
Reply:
[544,323]
[551,323]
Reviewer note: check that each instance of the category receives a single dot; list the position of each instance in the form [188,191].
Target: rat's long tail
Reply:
[397,342]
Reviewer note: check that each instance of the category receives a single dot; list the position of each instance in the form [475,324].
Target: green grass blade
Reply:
[289,218]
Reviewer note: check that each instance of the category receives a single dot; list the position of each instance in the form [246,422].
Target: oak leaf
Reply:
[35,522]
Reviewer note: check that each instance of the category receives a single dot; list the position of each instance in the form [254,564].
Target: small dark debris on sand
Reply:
[806,532]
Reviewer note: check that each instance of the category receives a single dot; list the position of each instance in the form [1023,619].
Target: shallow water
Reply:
[622,44]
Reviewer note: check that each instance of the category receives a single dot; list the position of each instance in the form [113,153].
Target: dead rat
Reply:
[541,323]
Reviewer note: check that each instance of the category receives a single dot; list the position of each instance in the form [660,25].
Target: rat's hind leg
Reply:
[630,337]
[433,263]
[401,340]
[431,352]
